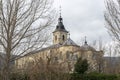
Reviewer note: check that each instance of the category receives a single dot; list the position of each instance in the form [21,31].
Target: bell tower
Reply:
[60,33]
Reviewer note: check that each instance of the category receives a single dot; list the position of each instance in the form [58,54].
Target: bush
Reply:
[93,76]
[18,76]
[81,66]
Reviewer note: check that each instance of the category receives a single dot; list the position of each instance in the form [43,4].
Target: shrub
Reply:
[18,76]
[81,66]
[92,76]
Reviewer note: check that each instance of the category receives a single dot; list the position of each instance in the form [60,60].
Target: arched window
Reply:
[55,38]
[63,37]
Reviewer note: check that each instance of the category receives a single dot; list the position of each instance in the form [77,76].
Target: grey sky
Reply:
[84,18]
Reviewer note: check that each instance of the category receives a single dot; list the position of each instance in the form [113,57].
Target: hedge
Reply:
[93,77]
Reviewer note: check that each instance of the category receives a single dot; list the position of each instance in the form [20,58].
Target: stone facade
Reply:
[59,37]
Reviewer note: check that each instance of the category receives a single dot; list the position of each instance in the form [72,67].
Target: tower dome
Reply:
[60,26]
[86,46]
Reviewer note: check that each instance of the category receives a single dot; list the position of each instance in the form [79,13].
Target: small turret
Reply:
[86,46]
[85,41]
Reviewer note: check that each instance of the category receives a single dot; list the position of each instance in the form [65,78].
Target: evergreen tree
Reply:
[81,66]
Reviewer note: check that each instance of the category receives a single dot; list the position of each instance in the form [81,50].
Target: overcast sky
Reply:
[84,18]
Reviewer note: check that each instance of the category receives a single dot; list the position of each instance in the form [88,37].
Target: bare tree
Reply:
[50,71]
[112,18]
[111,62]
[99,55]
[23,24]
[40,68]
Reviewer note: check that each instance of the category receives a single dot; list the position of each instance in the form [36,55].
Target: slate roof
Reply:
[87,47]
[69,42]
[60,26]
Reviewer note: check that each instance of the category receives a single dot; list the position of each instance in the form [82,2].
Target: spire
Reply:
[85,40]
[60,26]
[60,10]
[60,17]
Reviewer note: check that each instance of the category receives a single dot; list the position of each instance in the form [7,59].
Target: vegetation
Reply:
[94,76]
[112,18]
[63,76]
[112,23]
[23,25]
[56,72]
[81,66]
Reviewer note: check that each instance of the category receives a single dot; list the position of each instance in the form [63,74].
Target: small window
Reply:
[56,58]
[67,55]
[55,38]
[63,37]
[57,27]
[74,57]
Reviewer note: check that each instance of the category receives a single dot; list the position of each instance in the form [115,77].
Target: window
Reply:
[63,37]
[55,38]
[74,57]
[68,55]
[55,58]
